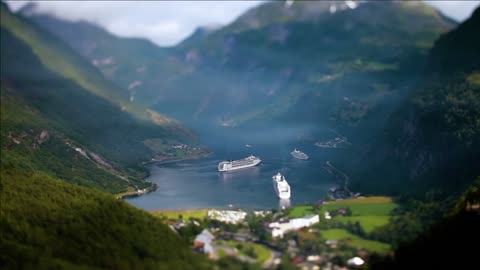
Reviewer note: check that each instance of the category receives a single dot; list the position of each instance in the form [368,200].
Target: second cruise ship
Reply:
[299,154]
[227,166]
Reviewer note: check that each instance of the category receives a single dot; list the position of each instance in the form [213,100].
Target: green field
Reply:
[186,214]
[370,206]
[263,253]
[474,79]
[368,223]
[355,241]
[300,211]
[370,212]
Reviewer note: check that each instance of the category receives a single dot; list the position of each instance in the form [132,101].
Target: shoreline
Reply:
[178,210]
[147,174]
[172,160]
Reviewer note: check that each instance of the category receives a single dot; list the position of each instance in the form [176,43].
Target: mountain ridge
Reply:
[194,62]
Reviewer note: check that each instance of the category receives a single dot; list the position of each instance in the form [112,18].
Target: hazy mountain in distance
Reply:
[138,65]
[199,35]
[304,63]
[314,65]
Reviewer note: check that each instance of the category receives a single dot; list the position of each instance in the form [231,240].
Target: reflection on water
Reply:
[284,204]
[252,172]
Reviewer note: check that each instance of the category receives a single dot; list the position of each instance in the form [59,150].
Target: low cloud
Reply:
[164,22]
[168,22]
[458,10]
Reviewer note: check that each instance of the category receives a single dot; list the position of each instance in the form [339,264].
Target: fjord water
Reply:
[195,184]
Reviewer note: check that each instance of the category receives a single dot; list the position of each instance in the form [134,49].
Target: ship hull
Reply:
[302,158]
[246,166]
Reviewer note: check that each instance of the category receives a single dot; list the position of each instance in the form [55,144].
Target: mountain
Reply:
[317,66]
[49,224]
[199,35]
[433,139]
[134,64]
[277,64]
[61,116]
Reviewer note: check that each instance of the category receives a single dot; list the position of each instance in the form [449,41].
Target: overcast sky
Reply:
[168,22]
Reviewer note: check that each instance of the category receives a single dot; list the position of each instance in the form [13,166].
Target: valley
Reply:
[110,145]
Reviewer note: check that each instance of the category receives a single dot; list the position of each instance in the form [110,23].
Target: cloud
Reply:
[164,22]
[458,10]
[168,22]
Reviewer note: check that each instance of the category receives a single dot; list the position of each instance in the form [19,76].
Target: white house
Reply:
[305,221]
[279,229]
[227,216]
[205,241]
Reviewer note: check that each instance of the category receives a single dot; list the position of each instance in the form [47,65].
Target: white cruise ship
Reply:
[227,166]
[299,154]
[281,186]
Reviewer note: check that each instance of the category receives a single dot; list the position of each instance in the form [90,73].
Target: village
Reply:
[318,236]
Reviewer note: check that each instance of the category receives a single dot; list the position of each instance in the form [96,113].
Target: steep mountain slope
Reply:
[129,62]
[34,142]
[46,223]
[435,135]
[60,116]
[61,59]
[305,63]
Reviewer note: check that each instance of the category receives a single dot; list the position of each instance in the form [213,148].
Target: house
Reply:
[332,243]
[204,242]
[227,216]
[305,221]
[314,258]
[297,260]
[180,224]
[279,229]
[308,266]
[355,261]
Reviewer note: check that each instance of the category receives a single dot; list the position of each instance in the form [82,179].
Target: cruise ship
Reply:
[281,186]
[299,154]
[227,166]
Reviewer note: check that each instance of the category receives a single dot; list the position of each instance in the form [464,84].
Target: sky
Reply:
[166,23]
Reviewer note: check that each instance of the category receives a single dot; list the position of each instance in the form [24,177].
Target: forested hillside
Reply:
[59,115]
[433,140]
[447,244]
[46,223]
